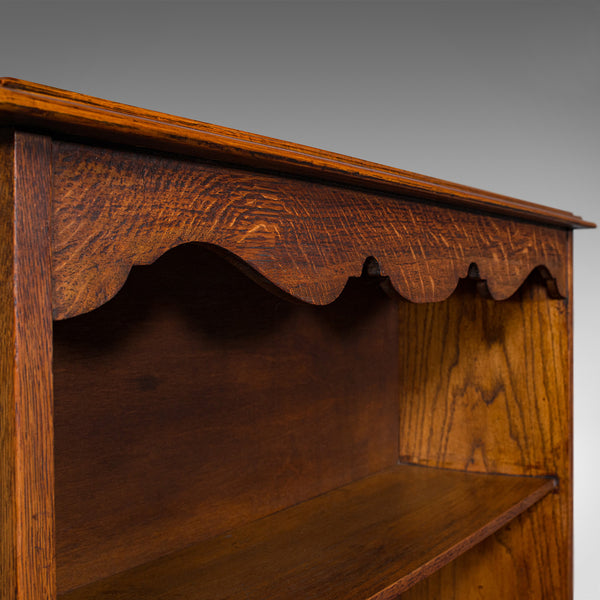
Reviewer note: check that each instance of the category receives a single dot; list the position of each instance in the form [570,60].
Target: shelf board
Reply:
[371,539]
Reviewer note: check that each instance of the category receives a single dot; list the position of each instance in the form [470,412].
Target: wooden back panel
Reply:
[196,401]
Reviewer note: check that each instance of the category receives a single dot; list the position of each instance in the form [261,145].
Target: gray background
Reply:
[500,95]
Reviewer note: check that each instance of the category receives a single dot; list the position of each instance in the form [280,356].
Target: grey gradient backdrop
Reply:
[503,95]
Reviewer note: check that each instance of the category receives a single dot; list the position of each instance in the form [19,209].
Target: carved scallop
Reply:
[114,209]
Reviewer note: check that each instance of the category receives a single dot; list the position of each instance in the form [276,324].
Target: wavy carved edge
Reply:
[371,268]
[114,209]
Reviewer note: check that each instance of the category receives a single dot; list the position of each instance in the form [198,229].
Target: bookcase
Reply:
[236,367]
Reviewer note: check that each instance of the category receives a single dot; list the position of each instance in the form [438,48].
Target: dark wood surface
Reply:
[114,209]
[503,404]
[196,401]
[30,105]
[372,539]
[27,567]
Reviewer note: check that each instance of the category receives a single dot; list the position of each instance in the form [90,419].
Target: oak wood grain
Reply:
[27,568]
[33,105]
[372,539]
[195,401]
[502,404]
[114,209]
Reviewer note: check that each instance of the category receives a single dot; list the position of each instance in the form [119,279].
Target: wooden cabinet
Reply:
[235,367]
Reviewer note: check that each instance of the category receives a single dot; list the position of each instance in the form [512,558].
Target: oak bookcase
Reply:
[235,367]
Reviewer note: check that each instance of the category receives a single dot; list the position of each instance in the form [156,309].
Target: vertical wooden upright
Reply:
[26,429]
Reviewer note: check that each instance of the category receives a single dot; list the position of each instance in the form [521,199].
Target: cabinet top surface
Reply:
[46,109]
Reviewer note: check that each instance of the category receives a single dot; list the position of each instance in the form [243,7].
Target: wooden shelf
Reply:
[371,539]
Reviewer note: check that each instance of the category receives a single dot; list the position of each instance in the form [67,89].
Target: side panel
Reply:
[26,439]
[502,405]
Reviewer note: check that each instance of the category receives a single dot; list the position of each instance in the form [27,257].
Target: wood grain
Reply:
[114,209]
[503,404]
[372,539]
[33,105]
[27,568]
[195,401]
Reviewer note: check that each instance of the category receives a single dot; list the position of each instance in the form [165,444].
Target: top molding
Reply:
[47,109]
